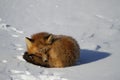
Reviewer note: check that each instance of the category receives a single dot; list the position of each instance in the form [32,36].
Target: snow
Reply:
[25,75]
[20,58]
[94,24]
[4,61]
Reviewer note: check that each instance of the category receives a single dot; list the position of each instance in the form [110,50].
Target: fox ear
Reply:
[50,39]
[28,42]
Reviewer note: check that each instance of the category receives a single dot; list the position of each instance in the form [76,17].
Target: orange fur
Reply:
[52,50]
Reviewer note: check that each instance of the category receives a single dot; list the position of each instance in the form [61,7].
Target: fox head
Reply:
[38,47]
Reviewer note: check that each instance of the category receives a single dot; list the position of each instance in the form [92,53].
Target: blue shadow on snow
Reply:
[88,56]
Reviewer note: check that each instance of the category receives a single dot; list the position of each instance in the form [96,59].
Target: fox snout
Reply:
[28,57]
[31,58]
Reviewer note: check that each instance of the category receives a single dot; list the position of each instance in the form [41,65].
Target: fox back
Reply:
[51,50]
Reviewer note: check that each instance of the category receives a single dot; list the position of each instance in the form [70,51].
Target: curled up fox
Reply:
[51,50]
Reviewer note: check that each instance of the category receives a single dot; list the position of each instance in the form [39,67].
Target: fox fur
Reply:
[51,50]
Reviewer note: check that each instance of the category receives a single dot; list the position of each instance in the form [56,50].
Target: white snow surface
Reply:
[95,24]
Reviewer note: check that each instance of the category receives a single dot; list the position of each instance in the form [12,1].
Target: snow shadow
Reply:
[88,56]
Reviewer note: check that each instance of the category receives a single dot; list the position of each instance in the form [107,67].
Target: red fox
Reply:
[51,50]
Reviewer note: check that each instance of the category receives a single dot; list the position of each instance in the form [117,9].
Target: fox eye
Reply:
[40,50]
[45,49]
